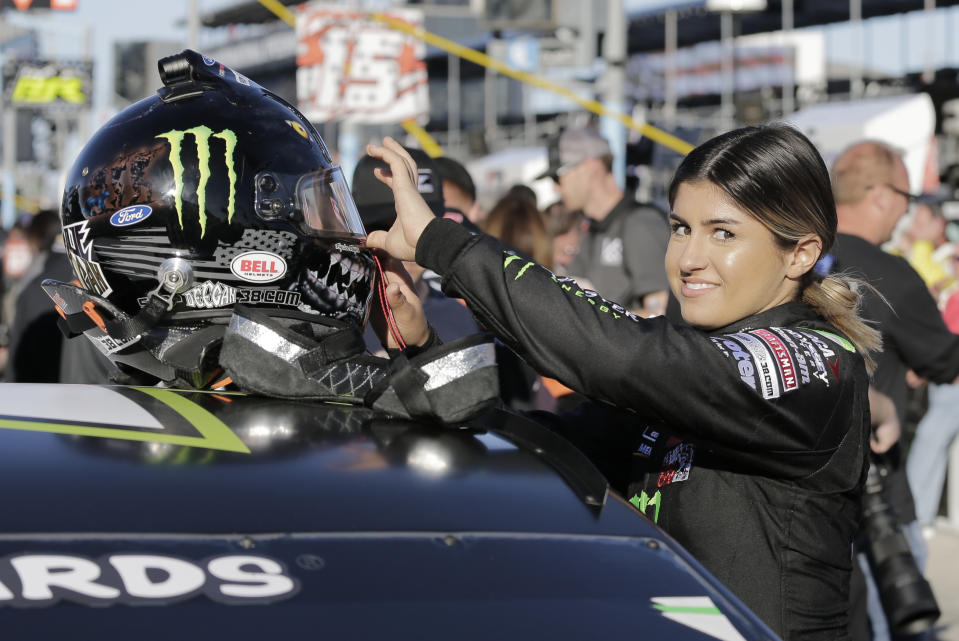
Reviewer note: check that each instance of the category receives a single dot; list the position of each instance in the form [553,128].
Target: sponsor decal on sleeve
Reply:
[814,356]
[798,354]
[39,580]
[744,360]
[615,310]
[836,338]
[766,373]
[823,352]
[645,448]
[784,360]
[510,258]
[676,464]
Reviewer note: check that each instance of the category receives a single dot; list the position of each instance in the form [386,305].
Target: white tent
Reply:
[907,122]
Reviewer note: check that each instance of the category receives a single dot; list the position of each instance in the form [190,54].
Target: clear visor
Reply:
[326,203]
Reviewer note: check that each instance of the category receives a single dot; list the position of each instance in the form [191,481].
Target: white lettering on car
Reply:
[182,577]
[32,580]
[266,583]
[39,573]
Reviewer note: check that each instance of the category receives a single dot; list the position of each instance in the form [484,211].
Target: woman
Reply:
[745,432]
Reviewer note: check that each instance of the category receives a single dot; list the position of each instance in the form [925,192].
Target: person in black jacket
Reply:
[871,188]
[742,433]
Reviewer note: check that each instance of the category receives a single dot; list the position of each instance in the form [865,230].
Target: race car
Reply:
[155,513]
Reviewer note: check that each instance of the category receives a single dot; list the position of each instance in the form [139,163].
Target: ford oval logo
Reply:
[130,215]
[258,267]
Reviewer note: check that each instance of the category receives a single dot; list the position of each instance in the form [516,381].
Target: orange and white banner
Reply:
[24,5]
[352,68]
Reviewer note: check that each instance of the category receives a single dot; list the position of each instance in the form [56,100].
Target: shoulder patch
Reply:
[836,338]
[784,360]
[767,377]
[744,361]
[817,352]
[776,360]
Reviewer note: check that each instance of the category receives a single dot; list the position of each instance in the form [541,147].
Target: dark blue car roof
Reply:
[250,514]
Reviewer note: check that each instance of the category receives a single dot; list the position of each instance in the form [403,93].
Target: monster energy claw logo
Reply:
[201,135]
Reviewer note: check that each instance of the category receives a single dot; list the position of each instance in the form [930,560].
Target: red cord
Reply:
[384,303]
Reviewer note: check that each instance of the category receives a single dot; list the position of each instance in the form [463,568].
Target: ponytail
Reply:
[837,299]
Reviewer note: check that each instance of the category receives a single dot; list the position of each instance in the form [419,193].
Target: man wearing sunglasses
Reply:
[871,188]
[622,254]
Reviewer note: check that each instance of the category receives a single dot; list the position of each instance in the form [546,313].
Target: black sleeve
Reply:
[912,324]
[729,391]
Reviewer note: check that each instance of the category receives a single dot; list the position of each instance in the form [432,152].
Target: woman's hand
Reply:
[412,212]
[405,305]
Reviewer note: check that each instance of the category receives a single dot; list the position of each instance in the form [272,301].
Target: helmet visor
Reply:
[326,203]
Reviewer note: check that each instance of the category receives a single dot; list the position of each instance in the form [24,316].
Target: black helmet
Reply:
[213,192]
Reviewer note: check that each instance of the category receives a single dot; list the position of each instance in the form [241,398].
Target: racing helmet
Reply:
[212,192]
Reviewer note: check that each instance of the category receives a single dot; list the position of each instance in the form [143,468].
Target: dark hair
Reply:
[774,173]
[777,175]
[43,229]
[522,192]
[517,222]
[560,219]
[457,174]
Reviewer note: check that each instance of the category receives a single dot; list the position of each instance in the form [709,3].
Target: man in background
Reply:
[459,192]
[622,253]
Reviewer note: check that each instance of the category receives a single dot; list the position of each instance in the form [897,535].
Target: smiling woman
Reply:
[723,264]
[761,197]
[742,433]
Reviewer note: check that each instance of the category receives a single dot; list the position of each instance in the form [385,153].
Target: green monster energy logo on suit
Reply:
[202,135]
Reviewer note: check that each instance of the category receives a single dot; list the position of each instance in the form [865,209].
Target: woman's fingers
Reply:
[407,312]
[377,240]
[394,294]
[413,214]
[393,145]
[399,161]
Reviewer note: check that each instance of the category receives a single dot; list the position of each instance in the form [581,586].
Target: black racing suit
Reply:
[747,444]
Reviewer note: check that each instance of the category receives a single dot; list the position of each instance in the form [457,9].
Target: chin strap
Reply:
[81,312]
[109,327]
[391,324]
